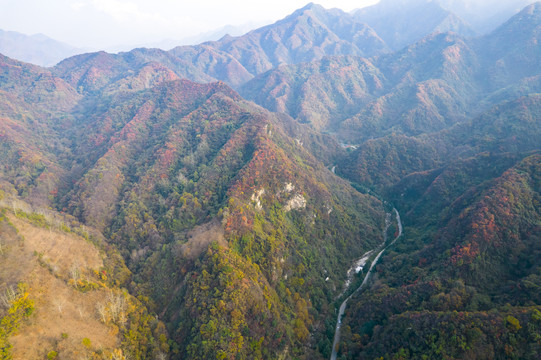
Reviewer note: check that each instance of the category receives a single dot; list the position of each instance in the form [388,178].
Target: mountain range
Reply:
[392,20]
[428,86]
[397,22]
[308,34]
[36,49]
[211,201]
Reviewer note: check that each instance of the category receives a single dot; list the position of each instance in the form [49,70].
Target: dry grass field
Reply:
[48,260]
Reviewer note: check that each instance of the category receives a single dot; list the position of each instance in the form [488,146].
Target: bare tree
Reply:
[82,313]
[8,297]
[114,308]
[117,306]
[75,272]
[102,311]
[161,356]
[60,303]
[118,355]
[14,206]
[20,205]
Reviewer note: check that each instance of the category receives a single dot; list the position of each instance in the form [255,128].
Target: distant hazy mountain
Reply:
[36,49]
[512,51]
[213,35]
[403,22]
[306,35]
[217,34]
[484,16]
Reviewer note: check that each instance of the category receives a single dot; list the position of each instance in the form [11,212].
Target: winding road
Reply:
[364,258]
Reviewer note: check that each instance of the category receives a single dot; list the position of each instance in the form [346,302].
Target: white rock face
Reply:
[297,202]
[289,187]
[269,131]
[257,198]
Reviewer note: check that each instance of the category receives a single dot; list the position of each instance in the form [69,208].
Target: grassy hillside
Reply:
[60,294]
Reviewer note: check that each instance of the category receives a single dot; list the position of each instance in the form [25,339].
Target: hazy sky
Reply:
[103,24]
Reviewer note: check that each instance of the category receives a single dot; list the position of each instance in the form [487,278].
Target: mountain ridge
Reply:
[428,86]
[309,33]
[401,23]
[162,168]
[36,49]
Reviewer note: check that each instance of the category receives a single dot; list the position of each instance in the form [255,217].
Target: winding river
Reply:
[358,266]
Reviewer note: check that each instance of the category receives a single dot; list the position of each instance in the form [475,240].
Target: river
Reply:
[357,266]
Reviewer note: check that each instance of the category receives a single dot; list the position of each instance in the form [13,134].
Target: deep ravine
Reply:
[358,266]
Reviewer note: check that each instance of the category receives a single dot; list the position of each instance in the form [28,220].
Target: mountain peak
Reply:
[532,9]
[400,22]
[514,45]
[524,22]
[313,7]
[36,49]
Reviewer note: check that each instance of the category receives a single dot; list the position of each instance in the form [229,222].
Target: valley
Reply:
[208,202]
[359,265]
